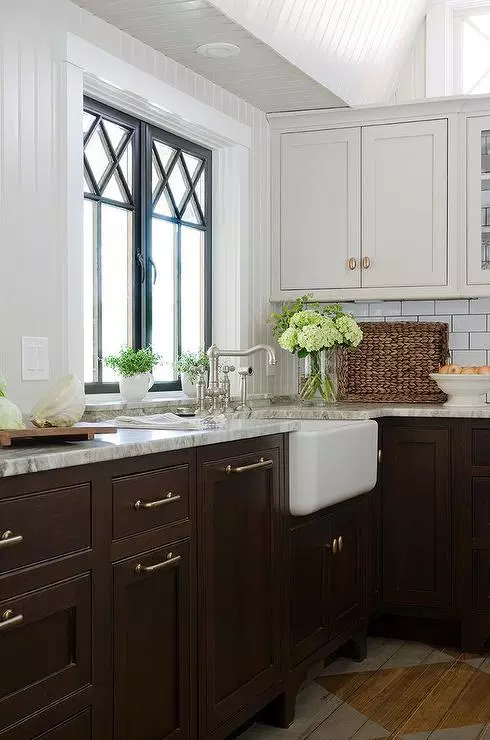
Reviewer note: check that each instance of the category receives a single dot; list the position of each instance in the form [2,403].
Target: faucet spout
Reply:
[214,353]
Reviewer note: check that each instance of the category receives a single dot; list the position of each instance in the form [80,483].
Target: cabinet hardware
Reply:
[334,546]
[170,560]
[169,499]
[254,466]
[341,544]
[8,620]
[366,263]
[352,263]
[9,539]
[380,456]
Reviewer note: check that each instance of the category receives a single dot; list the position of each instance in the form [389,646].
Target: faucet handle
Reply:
[245,371]
[228,369]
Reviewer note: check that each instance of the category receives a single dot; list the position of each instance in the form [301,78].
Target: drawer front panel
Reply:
[43,526]
[481,447]
[149,500]
[76,728]
[45,647]
[481,509]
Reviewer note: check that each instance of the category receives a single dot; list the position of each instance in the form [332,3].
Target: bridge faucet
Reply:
[214,390]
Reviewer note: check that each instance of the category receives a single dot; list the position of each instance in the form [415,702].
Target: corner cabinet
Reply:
[478,200]
[362,212]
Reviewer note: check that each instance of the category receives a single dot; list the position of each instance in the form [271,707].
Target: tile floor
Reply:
[402,690]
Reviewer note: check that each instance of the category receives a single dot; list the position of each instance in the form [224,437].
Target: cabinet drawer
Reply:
[481,509]
[41,526]
[480,447]
[45,647]
[76,728]
[148,500]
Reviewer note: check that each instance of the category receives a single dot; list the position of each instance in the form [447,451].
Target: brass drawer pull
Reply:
[334,546]
[366,263]
[341,544]
[229,470]
[352,263]
[169,499]
[9,539]
[142,569]
[8,620]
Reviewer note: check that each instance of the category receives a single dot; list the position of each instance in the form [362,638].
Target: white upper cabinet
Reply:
[317,212]
[404,205]
[478,201]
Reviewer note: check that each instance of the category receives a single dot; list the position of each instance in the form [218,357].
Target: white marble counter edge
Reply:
[19,461]
[364,411]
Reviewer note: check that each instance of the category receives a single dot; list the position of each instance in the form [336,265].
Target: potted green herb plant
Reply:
[190,365]
[135,370]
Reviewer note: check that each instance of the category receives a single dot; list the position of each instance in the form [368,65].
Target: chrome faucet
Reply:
[220,393]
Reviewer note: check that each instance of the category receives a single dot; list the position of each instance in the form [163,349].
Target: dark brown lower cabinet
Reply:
[152,645]
[76,728]
[241,503]
[418,552]
[327,577]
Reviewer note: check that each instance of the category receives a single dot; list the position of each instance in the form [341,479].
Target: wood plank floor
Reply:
[402,690]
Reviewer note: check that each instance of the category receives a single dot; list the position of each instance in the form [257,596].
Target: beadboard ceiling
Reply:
[176,28]
[353,47]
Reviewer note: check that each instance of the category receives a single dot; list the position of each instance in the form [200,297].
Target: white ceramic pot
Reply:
[135,387]
[188,386]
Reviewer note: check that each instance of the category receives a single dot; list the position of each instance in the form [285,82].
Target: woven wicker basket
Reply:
[393,362]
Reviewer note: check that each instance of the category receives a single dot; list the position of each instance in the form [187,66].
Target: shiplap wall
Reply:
[411,80]
[33,89]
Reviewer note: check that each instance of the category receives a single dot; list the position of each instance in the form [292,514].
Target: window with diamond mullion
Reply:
[179,248]
[147,244]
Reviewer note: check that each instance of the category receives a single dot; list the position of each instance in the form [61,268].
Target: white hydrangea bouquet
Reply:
[313,333]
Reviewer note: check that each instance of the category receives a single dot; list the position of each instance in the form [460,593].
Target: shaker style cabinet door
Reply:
[317,211]
[478,201]
[404,205]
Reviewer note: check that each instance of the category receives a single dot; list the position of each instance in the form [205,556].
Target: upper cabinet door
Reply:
[478,201]
[404,205]
[317,215]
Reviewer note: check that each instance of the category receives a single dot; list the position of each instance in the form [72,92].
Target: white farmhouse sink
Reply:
[330,461]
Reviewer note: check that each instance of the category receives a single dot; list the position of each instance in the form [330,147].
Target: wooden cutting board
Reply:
[81,433]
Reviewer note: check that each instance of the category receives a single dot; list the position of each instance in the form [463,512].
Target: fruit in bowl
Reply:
[464,386]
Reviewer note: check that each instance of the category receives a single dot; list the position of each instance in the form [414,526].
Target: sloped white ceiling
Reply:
[353,47]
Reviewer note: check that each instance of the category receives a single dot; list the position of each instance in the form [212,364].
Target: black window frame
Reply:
[143,134]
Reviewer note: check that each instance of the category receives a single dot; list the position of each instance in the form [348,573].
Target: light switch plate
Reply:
[35,358]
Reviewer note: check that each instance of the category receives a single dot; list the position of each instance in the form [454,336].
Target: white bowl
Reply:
[463,390]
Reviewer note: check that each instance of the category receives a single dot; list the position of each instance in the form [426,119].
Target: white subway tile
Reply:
[385,308]
[417,307]
[445,307]
[358,309]
[404,319]
[470,357]
[437,320]
[469,323]
[459,340]
[480,340]
[480,305]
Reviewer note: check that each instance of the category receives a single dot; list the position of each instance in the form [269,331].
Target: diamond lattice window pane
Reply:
[115,133]
[126,164]
[88,119]
[97,156]
[87,188]
[200,191]
[114,190]
[165,153]
[190,214]
[192,164]
[155,177]
[178,185]
[163,207]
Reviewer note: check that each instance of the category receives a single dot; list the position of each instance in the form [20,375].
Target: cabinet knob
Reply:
[341,544]
[366,262]
[334,546]
[352,263]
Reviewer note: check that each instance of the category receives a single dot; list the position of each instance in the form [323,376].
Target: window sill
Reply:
[114,401]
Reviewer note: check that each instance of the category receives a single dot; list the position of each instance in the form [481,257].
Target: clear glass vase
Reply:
[317,377]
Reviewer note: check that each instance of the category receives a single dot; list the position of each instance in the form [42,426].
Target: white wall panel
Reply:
[411,80]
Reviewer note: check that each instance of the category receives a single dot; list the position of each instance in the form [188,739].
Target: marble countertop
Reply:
[346,411]
[131,443]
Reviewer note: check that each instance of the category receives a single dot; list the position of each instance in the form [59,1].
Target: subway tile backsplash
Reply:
[468,320]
